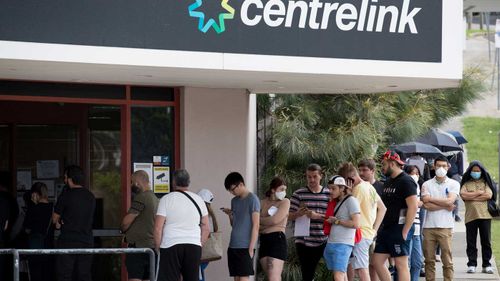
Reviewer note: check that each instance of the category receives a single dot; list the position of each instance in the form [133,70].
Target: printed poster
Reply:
[161,175]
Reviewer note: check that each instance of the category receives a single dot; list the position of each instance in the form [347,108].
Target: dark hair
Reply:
[275,183]
[346,169]
[234,178]
[369,163]
[314,167]
[182,178]
[409,168]
[41,189]
[75,173]
[441,158]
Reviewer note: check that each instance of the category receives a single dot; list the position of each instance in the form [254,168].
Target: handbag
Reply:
[327,227]
[212,249]
[493,208]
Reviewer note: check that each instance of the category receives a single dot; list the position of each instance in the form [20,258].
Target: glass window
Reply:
[104,134]
[153,134]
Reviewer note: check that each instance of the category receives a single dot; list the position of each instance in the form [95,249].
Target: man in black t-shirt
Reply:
[74,214]
[400,196]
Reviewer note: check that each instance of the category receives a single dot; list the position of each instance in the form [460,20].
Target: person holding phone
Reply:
[311,201]
[244,217]
[273,219]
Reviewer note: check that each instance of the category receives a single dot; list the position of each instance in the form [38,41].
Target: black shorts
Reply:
[273,245]
[137,266]
[180,260]
[390,241]
[239,262]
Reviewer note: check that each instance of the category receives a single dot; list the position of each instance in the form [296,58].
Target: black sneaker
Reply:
[422,273]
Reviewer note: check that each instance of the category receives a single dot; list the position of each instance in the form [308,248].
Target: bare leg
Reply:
[402,267]
[379,264]
[274,267]
[338,276]
[363,274]
[373,273]
[263,263]
[350,273]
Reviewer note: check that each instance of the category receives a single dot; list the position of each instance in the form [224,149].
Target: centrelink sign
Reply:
[394,30]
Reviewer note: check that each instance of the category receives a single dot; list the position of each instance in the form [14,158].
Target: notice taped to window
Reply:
[161,179]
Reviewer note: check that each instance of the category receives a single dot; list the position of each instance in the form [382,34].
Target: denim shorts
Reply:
[337,256]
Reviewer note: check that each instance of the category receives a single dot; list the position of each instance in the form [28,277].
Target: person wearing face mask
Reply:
[416,260]
[477,189]
[273,219]
[400,197]
[138,226]
[439,195]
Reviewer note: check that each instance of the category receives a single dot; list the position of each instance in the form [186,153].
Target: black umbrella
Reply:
[422,149]
[440,139]
[458,137]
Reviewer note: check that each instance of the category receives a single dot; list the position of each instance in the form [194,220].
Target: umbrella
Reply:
[458,137]
[440,139]
[422,149]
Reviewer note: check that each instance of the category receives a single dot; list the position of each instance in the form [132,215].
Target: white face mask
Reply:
[415,178]
[280,195]
[441,172]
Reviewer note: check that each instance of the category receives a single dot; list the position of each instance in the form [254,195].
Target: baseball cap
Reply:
[393,156]
[337,180]
[206,195]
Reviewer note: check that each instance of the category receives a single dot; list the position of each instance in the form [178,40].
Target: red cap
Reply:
[393,156]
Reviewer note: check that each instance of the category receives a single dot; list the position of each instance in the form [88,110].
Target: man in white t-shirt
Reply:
[181,228]
[439,195]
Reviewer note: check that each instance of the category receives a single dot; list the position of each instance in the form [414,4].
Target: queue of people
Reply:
[357,224]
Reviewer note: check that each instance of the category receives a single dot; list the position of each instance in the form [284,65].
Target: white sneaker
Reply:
[471,269]
[488,270]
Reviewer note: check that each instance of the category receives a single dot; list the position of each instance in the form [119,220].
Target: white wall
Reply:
[218,136]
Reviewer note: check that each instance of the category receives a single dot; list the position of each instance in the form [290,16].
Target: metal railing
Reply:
[100,251]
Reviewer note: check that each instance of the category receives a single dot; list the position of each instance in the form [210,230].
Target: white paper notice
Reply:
[47,169]
[23,179]
[302,225]
[272,211]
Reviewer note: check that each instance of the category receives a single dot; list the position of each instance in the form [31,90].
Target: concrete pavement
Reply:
[460,258]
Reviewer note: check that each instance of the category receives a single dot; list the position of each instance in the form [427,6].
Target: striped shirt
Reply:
[316,202]
[416,222]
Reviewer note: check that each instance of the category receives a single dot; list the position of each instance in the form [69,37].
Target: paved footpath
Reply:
[460,258]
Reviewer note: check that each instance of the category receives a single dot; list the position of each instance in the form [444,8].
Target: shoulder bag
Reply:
[212,248]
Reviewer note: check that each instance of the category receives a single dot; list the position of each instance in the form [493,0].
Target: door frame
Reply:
[126,137]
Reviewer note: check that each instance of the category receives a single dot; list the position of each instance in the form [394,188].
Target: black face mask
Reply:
[135,189]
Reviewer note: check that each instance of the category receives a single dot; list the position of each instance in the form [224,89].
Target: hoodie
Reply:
[484,175]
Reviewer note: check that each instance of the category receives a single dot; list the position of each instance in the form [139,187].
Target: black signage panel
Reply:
[396,30]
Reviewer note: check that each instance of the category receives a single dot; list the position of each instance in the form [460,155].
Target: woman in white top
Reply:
[273,219]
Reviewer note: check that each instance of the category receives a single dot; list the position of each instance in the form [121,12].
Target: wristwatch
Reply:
[336,221]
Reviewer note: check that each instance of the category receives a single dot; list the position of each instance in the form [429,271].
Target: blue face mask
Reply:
[475,175]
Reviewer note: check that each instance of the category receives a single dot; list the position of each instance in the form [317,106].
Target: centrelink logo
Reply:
[372,15]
